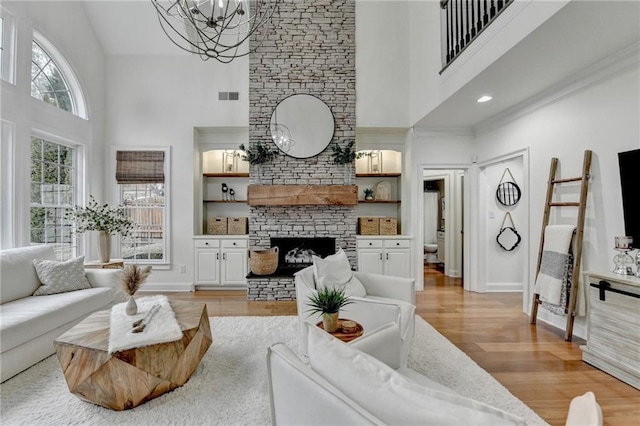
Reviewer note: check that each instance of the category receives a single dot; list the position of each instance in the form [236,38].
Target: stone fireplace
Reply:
[297,253]
[311,51]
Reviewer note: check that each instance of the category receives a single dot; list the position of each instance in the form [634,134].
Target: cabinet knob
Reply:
[206,243]
[370,244]
[397,244]
[234,244]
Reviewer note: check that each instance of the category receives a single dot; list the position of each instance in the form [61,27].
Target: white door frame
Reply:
[470,281]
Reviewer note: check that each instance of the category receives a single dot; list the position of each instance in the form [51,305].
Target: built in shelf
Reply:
[224,175]
[378,174]
[378,201]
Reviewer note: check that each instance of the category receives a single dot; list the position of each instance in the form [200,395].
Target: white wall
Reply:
[429,87]
[77,42]
[382,63]
[603,118]
[158,101]
[504,269]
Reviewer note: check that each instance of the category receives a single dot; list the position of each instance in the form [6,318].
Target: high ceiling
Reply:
[578,36]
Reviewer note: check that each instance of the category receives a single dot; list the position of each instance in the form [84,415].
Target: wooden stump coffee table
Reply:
[128,378]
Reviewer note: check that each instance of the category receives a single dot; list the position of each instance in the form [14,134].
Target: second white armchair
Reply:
[388,300]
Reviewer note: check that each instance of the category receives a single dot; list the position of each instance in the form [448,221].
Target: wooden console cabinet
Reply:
[613,337]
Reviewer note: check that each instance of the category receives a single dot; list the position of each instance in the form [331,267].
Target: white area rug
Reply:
[230,385]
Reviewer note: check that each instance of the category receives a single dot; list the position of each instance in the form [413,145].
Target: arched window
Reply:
[52,79]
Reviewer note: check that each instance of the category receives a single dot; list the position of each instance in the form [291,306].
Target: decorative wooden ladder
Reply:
[581,205]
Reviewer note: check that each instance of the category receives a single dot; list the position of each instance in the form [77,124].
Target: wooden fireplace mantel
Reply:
[302,195]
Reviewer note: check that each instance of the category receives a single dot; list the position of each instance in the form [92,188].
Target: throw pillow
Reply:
[390,396]
[60,277]
[335,271]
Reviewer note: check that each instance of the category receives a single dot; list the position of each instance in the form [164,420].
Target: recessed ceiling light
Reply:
[485,98]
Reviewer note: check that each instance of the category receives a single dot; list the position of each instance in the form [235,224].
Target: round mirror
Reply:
[302,126]
[508,193]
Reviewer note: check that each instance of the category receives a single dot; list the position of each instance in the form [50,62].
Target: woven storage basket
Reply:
[263,262]
[388,226]
[237,225]
[369,225]
[217,226]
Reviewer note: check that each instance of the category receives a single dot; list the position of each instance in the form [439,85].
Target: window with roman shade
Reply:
[139,167]
[141,176]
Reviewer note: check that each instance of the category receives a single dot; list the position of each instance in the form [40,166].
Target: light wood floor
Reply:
[533,362]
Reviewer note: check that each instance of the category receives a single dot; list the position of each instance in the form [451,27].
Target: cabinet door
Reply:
[234,266]
[397,263]
[370,261]
[208,266]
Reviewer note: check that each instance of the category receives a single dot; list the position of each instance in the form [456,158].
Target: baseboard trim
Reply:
[168,287]
[560,322]
[504,288]
[220,288]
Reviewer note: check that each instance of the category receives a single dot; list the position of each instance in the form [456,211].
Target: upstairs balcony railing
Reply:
[464,21]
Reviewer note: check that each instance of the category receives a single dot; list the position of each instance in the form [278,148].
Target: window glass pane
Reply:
[47,82]
[145,205]
[52,194]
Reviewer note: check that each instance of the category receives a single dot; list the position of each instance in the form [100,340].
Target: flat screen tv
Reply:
[630,181]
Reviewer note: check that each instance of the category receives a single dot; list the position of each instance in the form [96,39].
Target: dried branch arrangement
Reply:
[132,277]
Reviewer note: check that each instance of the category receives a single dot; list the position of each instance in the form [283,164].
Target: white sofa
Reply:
[345,385]
[29,324]
[388,300]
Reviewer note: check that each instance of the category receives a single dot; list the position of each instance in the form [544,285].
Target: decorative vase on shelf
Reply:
[330,322]
[347,167]
[132,307]
[259,173]
[104,246]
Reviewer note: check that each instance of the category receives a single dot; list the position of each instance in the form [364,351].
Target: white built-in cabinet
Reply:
[386,256]
[221,261]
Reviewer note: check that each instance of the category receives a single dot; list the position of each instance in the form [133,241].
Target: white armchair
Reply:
[388,300]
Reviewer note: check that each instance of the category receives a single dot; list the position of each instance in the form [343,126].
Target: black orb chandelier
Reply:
[217,29]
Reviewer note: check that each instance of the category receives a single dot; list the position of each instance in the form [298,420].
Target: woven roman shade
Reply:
[139,167]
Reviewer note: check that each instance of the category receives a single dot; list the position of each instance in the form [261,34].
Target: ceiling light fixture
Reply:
[217,29]
[483,99]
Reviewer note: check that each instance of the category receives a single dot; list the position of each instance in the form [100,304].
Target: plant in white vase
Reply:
[257,154]
[345,157]
[107,220]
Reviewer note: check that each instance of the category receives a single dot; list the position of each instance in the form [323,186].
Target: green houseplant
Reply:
[345,157]
[107,220]
[328,302]
[257,154]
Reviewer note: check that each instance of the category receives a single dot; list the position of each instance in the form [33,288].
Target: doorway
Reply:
[442,217]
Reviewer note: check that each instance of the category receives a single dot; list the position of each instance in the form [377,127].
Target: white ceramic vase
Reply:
[132,307]
[104,246]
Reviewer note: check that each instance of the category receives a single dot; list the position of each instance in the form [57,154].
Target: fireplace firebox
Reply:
[296,253]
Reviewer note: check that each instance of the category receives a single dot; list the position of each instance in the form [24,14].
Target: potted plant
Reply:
[344,157]
[107,220]
[257,154]
[328,302]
